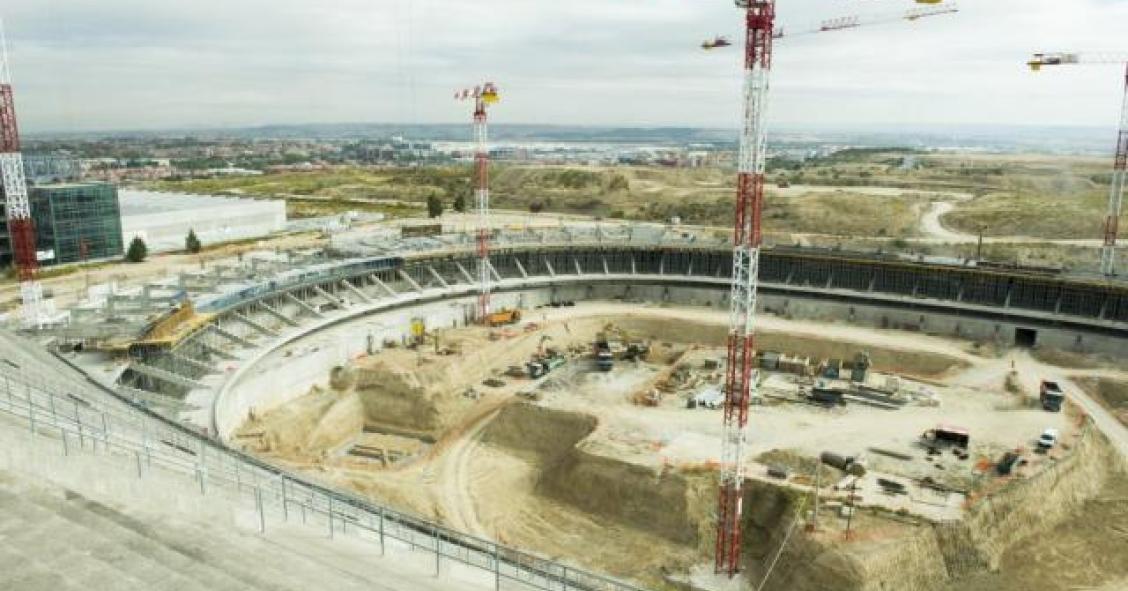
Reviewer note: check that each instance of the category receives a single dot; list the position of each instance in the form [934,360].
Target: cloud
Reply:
[128,64]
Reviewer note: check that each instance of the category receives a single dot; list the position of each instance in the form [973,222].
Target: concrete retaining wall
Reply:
[260,385]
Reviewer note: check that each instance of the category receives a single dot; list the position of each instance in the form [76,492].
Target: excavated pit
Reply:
[556,477]
[971,553]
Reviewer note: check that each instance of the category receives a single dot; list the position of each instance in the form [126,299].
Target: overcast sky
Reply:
[143,64]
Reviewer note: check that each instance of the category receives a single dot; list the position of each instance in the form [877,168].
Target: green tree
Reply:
[137,251]
[192,243]
[434,206]
[459,203]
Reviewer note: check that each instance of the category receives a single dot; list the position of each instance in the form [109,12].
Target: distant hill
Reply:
[1083,140]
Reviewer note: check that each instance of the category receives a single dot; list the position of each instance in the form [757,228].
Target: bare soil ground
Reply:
[1086,552]
[587,475]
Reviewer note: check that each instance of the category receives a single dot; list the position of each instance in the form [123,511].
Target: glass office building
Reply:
[76,222]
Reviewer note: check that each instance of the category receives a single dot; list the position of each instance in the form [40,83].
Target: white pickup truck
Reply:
[1048,439]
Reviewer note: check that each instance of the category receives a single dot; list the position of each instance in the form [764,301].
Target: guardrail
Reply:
[151,441]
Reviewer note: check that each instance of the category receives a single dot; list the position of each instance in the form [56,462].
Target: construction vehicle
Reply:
[554,361]
[536,369]
[602,352]
[503,317]
[621,344]
[1051,396]
[1007,464]
[544,362]
[637,350]
[946,435]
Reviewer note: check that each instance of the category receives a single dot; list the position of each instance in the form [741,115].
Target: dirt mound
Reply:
[398,398]
[311,425]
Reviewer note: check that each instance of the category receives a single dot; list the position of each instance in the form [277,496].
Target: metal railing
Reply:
[152,442]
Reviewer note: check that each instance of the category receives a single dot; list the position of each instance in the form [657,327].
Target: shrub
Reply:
[137,251]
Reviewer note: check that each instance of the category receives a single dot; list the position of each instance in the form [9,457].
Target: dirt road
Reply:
[936,232]
[455,480]
[1033,371]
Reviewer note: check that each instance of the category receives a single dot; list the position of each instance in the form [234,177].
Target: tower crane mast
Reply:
[483,96]
[740,378]
[16,205]
[1119,183]
[747,239]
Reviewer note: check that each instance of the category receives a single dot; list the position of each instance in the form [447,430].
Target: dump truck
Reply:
[503,317]
[1051,396]
[602,352]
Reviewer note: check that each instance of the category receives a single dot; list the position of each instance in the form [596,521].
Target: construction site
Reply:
[599,420]
[598,405]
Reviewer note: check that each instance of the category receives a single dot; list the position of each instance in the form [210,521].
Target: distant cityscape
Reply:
[148,156]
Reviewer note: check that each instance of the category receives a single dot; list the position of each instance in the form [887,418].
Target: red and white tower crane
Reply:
[747,238]
[17,210]
[740,378]
[483,96]
[1120,160]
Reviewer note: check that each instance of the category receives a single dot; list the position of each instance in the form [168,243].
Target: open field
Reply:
[854,193]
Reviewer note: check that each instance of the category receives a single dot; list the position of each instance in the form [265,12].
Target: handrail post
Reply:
[285,501]
[201,476]
[261,511]
[497,567]
[438,548]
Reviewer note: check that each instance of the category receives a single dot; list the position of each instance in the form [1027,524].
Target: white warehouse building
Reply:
[163,220]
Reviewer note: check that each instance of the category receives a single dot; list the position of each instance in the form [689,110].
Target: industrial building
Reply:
[76,222]
[163,220]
